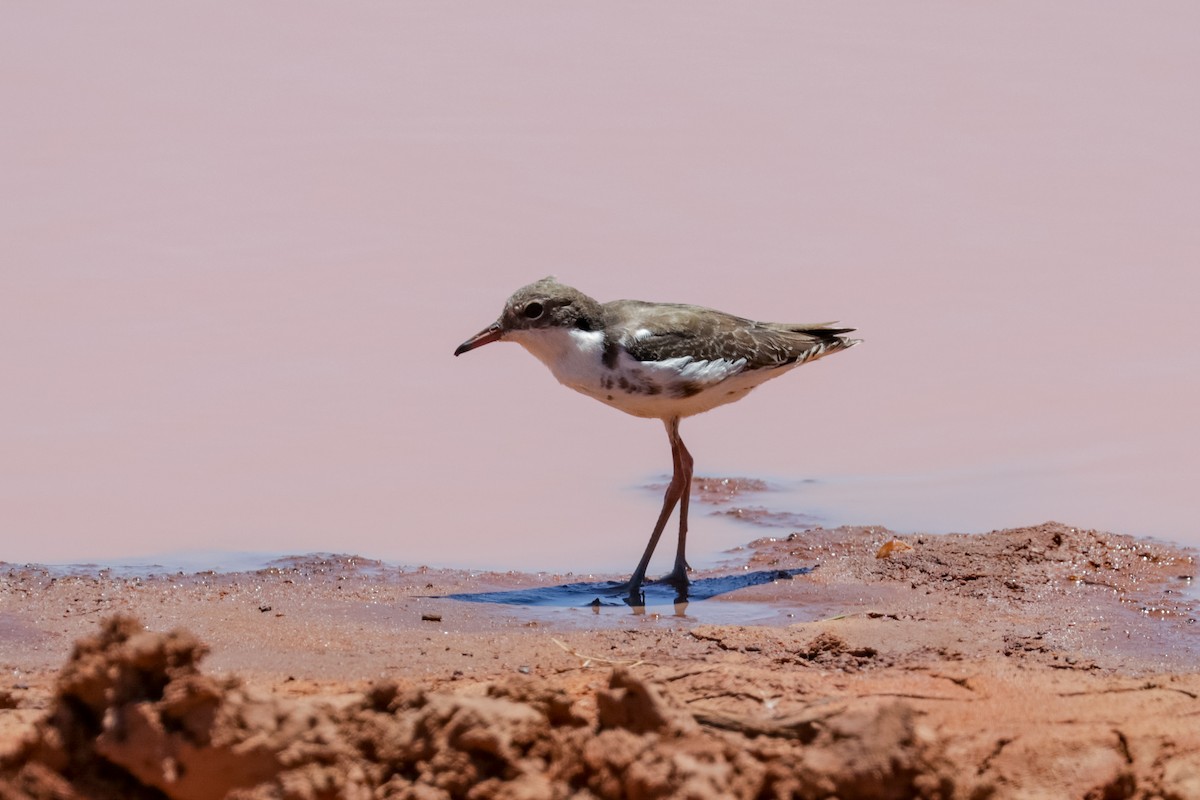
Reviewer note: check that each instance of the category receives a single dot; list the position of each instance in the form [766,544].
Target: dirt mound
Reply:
[134,717]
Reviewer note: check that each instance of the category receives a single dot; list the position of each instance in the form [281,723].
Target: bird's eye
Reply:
[533,311]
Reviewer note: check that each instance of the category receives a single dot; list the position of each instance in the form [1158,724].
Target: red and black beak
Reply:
[492,333]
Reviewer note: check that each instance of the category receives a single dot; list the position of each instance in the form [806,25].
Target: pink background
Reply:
[239,242]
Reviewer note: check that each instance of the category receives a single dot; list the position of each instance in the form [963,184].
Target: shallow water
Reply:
[608,601]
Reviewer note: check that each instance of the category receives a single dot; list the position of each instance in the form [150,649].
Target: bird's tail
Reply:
[828,335]
[822,340]
[823,333]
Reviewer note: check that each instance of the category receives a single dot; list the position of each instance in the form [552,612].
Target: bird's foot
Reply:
[630,591]
[677,577]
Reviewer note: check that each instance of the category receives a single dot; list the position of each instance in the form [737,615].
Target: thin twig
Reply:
[587,660]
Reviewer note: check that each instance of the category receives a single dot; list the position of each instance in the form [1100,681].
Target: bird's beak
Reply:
[491,333]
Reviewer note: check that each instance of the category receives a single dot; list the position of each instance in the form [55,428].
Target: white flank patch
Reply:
[686,368]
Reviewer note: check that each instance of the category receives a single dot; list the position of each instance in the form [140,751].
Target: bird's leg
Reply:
[683,466]
[675,489]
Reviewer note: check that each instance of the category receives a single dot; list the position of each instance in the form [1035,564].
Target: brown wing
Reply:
[676,331]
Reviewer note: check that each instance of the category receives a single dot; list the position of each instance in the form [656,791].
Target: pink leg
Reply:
[677,493]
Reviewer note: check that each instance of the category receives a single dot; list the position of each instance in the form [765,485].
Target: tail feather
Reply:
[803,327]
[828,335]
[823,342]
[823,332]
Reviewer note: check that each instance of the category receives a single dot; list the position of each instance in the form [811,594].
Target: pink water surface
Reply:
[239,242]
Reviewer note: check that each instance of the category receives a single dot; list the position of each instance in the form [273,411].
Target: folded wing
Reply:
[667,331]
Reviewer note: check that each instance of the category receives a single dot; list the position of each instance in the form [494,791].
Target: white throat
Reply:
[571,354]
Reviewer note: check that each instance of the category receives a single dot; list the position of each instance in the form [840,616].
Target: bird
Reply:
[663,361]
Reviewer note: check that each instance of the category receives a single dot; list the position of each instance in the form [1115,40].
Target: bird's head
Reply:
[542,305]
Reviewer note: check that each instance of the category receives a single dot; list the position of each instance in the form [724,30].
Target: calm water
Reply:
[233,276]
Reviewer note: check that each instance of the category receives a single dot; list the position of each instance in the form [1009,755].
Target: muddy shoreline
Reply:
[1043,661]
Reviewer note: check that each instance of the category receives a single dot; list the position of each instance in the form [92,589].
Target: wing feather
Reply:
[660,331]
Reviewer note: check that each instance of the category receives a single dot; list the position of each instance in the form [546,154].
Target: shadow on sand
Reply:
[612,593]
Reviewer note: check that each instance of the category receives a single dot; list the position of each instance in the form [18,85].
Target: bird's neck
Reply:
[571,354]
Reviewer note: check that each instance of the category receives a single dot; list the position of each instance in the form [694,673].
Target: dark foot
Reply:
[677,577]
[630,591]
[636,600]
